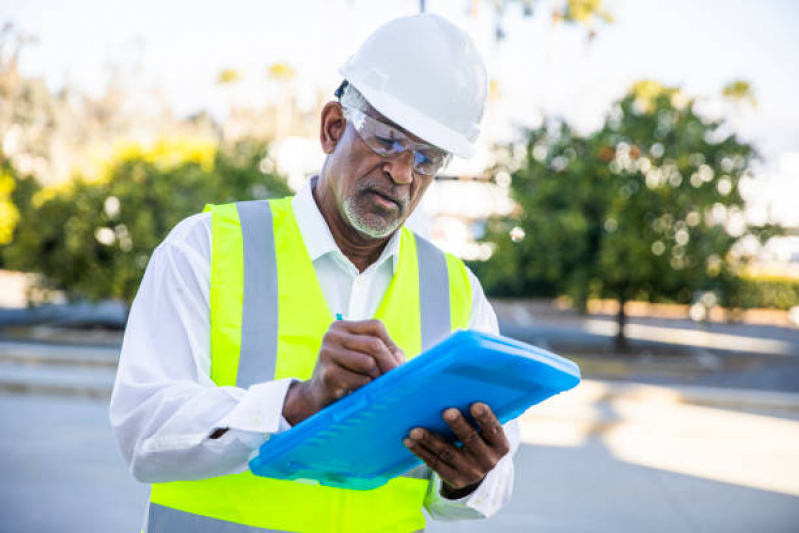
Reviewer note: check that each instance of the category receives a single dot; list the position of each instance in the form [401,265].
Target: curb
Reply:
[43,389]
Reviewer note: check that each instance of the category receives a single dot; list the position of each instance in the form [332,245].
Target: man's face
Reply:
[375,194]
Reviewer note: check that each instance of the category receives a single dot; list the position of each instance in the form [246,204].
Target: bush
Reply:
[93,239]
[775,293]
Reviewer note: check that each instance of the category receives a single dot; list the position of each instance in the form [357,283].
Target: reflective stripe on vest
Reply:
[165,519]
[268,316]
[160,518]
[258,356]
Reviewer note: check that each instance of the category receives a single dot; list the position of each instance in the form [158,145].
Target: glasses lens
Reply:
[429,162]
[388,141]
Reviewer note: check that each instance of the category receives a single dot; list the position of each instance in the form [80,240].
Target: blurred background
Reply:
[634,206]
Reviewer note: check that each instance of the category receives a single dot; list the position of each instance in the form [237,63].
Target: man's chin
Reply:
[373,220]
[375,226]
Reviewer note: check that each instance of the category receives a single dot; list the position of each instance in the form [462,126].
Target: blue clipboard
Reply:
[356,442]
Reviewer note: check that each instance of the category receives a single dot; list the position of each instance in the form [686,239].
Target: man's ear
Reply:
[332,126]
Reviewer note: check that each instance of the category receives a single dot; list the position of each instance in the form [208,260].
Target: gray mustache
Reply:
[401,197]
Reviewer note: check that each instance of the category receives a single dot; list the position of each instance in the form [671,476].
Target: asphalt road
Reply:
[587,464]
[594,459]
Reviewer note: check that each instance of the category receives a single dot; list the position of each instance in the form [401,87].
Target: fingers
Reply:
[422,443]
[373,348]
[466,433]
[490,428]
[352,354]
[338,382]
[355,361]
[468,465]
[376,328]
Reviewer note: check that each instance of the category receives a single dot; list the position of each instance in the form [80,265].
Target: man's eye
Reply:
[385,141]
[421,159]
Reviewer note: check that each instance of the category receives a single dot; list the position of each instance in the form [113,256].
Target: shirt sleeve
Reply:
[495,490]
[165,409]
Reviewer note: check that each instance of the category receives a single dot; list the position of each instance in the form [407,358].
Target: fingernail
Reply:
[407,442]
[479,409]
[451,414]
[417,433]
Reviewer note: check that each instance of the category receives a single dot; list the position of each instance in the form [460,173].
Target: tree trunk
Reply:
[621,339]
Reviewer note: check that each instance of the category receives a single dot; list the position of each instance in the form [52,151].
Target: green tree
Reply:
[646,208]
[92,239]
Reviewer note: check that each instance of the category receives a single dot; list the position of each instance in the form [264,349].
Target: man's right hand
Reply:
[353,353]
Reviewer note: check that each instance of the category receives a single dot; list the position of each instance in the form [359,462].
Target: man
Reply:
[232,336]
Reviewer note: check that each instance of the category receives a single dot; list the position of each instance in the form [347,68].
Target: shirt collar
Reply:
[316,233]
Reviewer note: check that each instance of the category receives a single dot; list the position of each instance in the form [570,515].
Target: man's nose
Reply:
[401,167]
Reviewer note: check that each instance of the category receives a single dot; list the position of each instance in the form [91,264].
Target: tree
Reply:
[92,239]
[646,208]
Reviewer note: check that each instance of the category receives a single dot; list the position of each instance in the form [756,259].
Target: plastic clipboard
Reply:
[356,443]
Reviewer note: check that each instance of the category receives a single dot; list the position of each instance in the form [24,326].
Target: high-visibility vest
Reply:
[268,317]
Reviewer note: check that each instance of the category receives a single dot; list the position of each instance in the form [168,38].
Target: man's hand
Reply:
[462,469]
[353,353]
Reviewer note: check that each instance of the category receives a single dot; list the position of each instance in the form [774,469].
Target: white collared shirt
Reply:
[164,405]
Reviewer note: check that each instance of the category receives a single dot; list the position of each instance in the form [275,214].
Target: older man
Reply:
[232,336]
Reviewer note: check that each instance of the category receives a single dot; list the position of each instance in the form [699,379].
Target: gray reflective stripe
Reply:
[433,293]
[259,311]
[162,519]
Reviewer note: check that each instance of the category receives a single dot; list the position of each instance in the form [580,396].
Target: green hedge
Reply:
[772,293]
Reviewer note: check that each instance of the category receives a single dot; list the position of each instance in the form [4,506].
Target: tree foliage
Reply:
[9,214]
[92,239]
[646,208]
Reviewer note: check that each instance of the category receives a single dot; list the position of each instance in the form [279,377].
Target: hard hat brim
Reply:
[417,123]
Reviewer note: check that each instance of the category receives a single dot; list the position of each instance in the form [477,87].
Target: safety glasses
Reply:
[388,141]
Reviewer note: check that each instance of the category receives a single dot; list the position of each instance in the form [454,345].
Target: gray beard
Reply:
[368,227]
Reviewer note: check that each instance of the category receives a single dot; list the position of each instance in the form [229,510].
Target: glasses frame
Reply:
[388,141]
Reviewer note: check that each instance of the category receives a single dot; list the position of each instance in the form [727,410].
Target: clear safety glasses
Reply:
[388,141]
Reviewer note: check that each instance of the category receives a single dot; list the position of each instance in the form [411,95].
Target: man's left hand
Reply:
[462,469]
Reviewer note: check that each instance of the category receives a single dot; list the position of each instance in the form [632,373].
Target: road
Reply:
[601,458]
[612,455]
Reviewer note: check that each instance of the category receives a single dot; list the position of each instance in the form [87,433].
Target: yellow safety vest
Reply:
[268,317]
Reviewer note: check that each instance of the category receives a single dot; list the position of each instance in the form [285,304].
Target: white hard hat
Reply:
[425,74]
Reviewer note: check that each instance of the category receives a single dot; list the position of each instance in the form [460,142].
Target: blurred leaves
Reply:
[280,72]
[227,76]
[93,238]
[583,12]
[9,214]
[740,91]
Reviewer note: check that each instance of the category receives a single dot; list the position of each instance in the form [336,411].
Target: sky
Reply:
[174,49]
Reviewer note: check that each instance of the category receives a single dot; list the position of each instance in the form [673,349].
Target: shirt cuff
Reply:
[259,413]
[484,502]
